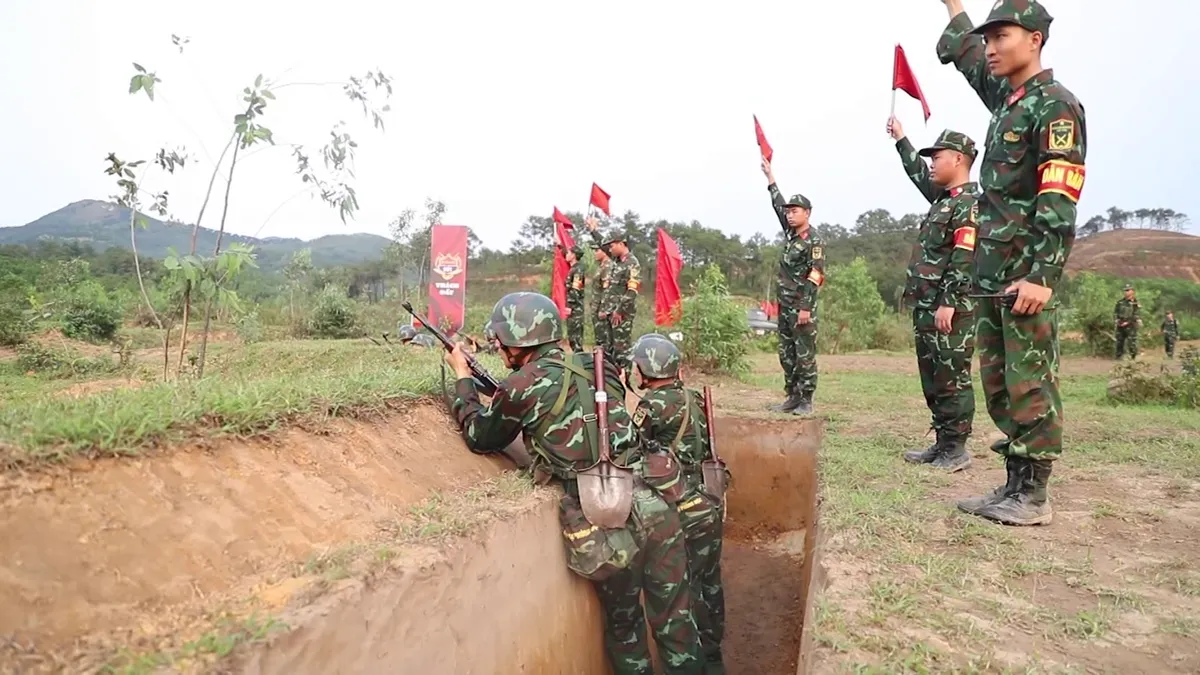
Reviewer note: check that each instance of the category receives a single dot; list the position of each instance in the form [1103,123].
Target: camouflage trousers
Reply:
[660,571]
[575,329]
[603,332]
[945,365]
[1127,339]
[1018,365]
[797,352]
[1169,345]
[621,346]
[703,529]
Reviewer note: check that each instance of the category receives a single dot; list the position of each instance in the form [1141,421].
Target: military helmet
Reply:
[489,333]
[406,332]
[424,340]
[526,320]
[614,235]
[656,356]
[1129,287]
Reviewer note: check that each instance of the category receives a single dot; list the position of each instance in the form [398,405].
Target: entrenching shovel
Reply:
[605,489]
[716,480]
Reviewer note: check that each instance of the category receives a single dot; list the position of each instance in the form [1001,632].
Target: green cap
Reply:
[577,250]
[951,140]
[799,200]
[614,235]
[1129,287]
[1028,14]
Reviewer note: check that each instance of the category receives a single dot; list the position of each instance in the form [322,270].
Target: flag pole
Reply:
[895,55]
[893,102]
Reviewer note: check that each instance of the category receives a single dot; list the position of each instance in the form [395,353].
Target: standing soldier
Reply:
[547,399]
[801,273]
[600,325]
[620,302]
[1032,176]
[1127,316]
[1170,329]
[939,279]
[576,280]
[673,417]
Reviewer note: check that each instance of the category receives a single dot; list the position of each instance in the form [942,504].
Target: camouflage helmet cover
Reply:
[657,357]
[406,332]
[526,320]
[424,340]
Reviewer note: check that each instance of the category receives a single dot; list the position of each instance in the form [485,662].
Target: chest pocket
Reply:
[796,253]
[1009,175]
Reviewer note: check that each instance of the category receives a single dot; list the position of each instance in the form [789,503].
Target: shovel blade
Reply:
[606,494]
[716,479]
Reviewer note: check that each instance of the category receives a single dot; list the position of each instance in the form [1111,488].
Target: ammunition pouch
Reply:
[594,553]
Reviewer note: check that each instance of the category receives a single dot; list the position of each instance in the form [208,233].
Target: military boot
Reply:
[790,404]
[927,455]
[806,405]
[1016,466]
[1029,504]
[952,456]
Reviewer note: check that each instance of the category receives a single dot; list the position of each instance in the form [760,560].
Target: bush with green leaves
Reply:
[15,326]
[334,316]
[850,309]
[1137,383]
[715,332]
[89,313]
[58,362]
[1092,300]
[893,333]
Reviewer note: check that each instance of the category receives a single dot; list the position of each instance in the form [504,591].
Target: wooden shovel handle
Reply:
[601,403]
[712,419]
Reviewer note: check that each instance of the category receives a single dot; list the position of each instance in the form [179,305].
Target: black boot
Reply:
[806,405]
[927,455]
[1016,466]
[952,456]
[1028,505]
[790,404]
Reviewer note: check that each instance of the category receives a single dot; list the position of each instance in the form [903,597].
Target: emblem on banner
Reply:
[448,265]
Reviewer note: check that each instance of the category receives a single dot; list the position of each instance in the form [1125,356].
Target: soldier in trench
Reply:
[549,399]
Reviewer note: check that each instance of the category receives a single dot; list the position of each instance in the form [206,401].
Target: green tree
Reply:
[714,326]
[850,308]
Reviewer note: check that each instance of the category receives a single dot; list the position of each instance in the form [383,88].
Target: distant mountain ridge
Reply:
[104,224]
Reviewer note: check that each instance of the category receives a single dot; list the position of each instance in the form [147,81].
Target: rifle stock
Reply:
[484,382]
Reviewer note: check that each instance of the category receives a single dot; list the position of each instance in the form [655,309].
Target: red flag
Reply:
[448,276]
[560,217]
[763,145]
[562,237]
[600,199]
[904,80]
[558,280]
[666,287]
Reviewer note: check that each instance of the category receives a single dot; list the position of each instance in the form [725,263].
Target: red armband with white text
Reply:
[1060,177]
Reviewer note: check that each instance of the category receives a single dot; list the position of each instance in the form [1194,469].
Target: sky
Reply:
[505,110]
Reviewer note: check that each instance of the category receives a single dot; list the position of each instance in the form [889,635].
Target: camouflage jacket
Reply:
[802,264]
[624,280]
[576,281]
[523,405]
[1127,311]
[659,416]
[1170,327]
[1032,172]
[939,271]
[603,275]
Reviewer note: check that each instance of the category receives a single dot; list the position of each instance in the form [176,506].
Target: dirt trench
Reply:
[140,554]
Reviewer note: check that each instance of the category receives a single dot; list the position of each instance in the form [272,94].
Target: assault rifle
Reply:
[484,382]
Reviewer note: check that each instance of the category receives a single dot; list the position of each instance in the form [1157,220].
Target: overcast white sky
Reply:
[505,109]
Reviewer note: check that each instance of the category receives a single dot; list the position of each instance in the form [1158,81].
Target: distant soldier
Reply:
[1170,330]
[620,298]
[801,273]
[1127,316]
[549,399]
[1032,176]
[405,333]
[576,281]
[600,327]
[425,340]
[939,280]
[673,417]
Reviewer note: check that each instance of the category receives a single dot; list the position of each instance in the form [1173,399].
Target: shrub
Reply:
[1134,382]
[61,362]
[14,323]
[893,333]
[714,326]
[248,327]
[850,308]
[334,316]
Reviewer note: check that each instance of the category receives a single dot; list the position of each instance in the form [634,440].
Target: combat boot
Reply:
[790,404]
[1016,467]
[952,456]
[927,455]
[806,405]
[1029,504]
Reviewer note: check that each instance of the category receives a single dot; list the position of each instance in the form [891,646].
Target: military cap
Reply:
[577,250]
[951,140]
[799,200]
[614,235]
[1129,287]
[1028,14]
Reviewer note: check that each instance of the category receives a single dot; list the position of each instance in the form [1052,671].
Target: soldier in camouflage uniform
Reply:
[939,280]
[650,551]
[601,328]
[1032,176]
[1170,330]
[801,273]
[425,340]
[405,333]
[1127,316]
[673,417]
[576,281]
[620,298]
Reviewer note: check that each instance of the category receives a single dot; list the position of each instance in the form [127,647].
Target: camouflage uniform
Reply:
[620,300]
[1127,316]
[939,275]
[1170,329]
[601,327]
[425,340]
[801,273]
[576,281]
[524,404]
[1032,175]
[405,332]
[661,417]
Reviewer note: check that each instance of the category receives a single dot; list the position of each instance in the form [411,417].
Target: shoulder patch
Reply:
[1012,137]
[639,416]
[1062,134]
[817,253]
[974,212]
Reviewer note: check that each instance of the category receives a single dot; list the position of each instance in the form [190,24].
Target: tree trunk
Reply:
[216,251]
[187,290]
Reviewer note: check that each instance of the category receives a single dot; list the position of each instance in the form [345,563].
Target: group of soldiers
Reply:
[1127,319]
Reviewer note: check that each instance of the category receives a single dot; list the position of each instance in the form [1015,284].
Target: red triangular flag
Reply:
[904,80]
[560,217]
[562,237]
[667,298]
[600,199]
[763,145]
[558,281]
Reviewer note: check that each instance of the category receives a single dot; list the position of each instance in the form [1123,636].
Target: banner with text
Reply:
[448,277]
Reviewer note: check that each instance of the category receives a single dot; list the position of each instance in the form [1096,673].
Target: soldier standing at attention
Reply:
[547,399]
[673,417]
[620,302]
[576,280]
[801,273]
[1128,318]
[939,280]
[1170,329]
[1032,175]
[600,325]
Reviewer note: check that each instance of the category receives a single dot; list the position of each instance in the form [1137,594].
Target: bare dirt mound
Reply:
[1138,254]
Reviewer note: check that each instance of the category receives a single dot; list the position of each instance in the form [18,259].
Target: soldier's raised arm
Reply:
[777,200]
[1062,148]
[966,51]
[914,166]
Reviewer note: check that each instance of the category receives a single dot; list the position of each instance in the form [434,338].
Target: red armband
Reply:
[964,237]
[816,277]
[1062,178]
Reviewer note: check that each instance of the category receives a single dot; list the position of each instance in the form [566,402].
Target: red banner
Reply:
[904,80]
[763,145]
[599,199]
[666,287]
[558,281]
[448,277]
